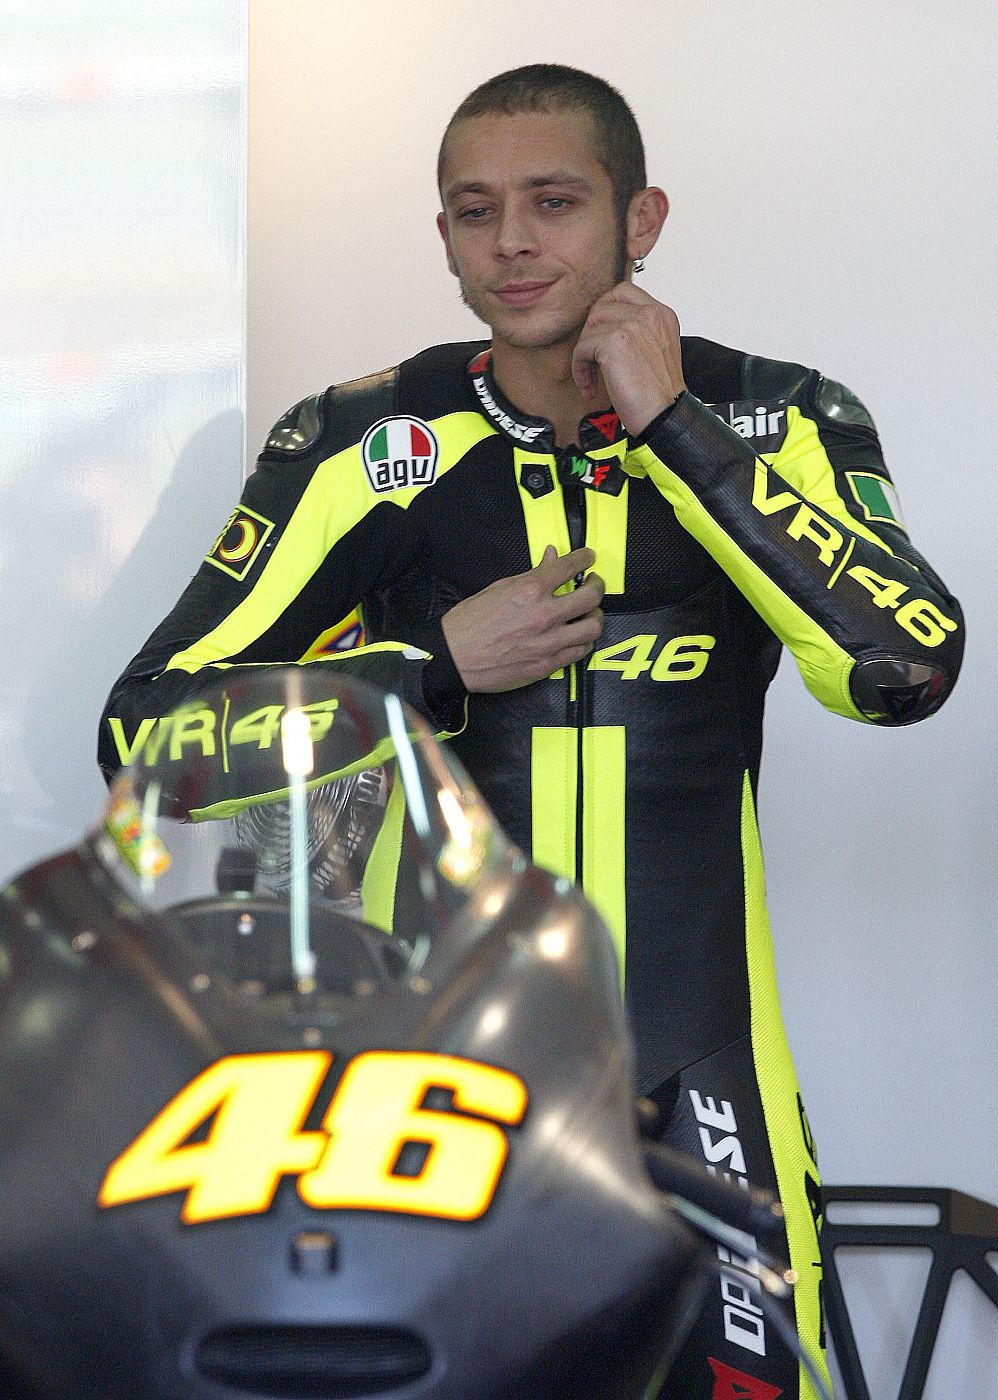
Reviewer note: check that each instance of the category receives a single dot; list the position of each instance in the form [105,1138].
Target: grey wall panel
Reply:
[122,299]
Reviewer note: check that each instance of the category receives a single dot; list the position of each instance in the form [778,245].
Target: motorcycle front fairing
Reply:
[311,1085]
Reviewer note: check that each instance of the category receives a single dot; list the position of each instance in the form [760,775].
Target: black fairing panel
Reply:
[575,1281]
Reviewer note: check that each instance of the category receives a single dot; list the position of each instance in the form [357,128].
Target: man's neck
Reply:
[540,383]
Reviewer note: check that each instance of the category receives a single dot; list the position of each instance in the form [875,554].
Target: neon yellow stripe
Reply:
[223,731]
[410,653]
[606,526]
[553,785]
[545,520]
[606,518]
[803,463]
[335,500]
[841,564]
[823,664]
[330,658]
[544,516]
[327,659]
[604,766]
[229,806]
[778,1091]
[377,890]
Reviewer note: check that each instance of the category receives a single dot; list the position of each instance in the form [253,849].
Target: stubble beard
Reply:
[539,338]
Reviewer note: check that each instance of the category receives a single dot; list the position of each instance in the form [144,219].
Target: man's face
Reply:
[530,224]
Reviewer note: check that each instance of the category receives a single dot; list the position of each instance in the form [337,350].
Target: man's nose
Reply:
[513,233]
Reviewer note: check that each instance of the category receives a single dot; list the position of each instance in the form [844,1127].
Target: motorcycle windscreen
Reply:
[295,799]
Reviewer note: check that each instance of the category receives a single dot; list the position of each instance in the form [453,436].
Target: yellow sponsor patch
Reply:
[238,546]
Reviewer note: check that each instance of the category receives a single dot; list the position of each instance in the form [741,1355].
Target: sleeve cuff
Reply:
[444,693]
[659,419]
[692,441]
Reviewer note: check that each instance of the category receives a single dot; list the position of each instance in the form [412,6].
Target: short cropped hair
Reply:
[545,87]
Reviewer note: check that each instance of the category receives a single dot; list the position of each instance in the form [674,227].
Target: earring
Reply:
[639,264]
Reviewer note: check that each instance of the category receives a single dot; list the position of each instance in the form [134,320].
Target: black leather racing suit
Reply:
[756,511]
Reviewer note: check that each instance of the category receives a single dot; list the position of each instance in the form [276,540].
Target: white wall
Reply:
[828,167]
[122,284]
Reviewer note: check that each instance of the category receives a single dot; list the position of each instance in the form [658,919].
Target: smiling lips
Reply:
[522,293]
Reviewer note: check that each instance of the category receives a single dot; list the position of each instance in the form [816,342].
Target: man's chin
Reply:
[520,333]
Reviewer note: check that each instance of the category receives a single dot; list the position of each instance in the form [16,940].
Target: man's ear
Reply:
[444,234]
[646,213]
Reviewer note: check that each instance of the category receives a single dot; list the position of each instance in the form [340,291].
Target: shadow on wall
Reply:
[84,651]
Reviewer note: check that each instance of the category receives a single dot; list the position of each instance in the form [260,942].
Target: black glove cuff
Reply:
[444,693]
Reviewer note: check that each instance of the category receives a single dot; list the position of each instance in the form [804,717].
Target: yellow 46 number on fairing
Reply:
[257,1106]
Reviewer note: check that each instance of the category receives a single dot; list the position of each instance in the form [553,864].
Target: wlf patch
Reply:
[877,497]
[238,546]
[400,452]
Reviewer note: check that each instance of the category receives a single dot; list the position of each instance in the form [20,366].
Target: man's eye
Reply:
[556,202]
[474,215]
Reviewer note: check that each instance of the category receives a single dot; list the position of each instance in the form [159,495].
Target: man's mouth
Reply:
[522,293]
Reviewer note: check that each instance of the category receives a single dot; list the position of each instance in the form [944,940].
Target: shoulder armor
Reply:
[334,419]
[838,404]
[772,379]
[356,405]
[719,374]
[299,429]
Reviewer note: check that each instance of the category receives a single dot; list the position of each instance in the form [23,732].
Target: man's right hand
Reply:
[518,630]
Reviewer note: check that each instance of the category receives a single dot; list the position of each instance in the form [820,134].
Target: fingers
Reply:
[625,329]
[629,292]
[595,343]
[582,631]
[584,369]
[556,569]
[575,640]
[630,295]
[583,599]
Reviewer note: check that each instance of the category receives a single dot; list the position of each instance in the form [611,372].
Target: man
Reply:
[597,534]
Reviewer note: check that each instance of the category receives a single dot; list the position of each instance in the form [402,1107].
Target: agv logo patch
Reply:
[399,452]
[238,546]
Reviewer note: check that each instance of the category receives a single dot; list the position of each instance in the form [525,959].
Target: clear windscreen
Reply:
[294,799]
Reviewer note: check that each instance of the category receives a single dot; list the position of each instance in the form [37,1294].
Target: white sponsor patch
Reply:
[400,452]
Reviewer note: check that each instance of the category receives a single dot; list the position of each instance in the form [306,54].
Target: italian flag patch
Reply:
[877,497]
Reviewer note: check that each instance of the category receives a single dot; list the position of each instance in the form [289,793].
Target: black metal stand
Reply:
[966,1232]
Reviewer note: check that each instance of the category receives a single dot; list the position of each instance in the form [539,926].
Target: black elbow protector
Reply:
[890,691]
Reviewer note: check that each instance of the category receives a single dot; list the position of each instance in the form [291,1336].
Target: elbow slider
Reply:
[887,690]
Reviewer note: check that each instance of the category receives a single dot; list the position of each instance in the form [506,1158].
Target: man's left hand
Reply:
[633,341]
